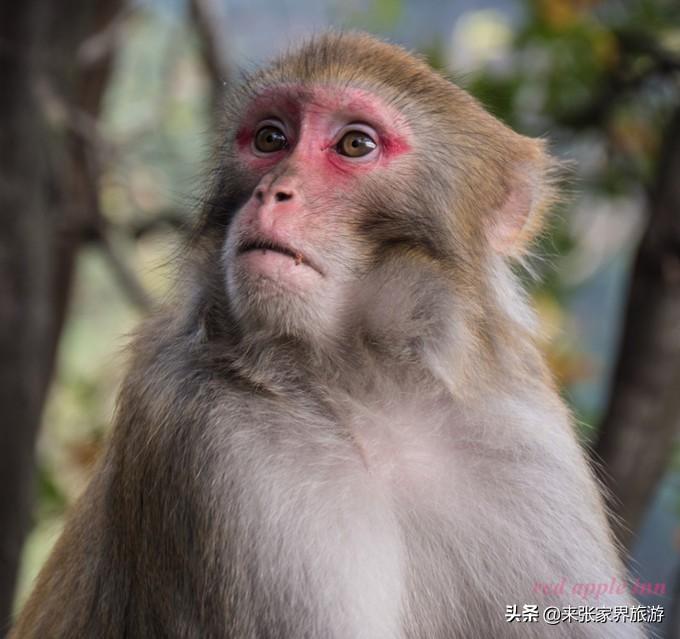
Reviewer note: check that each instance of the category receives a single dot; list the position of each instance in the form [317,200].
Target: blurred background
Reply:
[108,113]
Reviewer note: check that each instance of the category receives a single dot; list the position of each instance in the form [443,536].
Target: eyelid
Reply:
[370,131]
[272,121]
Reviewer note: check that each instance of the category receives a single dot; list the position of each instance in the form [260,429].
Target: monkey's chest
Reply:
[405,449]
[358,518]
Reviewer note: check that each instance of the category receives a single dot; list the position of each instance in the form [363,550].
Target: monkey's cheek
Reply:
[279,268]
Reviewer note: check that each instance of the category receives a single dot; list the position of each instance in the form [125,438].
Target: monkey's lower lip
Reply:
[264,247]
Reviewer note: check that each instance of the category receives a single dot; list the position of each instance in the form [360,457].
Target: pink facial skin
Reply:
[282,232]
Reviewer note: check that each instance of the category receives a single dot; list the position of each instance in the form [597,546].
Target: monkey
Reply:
[340,424]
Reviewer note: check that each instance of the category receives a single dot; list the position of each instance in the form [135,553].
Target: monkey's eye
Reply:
[270,139]
[355,144]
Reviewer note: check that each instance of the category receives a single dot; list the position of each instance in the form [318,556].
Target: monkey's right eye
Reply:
[270,139]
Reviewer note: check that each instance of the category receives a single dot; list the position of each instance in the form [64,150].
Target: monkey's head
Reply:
[350,162]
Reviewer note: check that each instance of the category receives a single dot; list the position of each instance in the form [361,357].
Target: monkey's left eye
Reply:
[270,139]
[355,144]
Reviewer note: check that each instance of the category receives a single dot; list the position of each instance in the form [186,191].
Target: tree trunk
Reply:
[25,314]
[45,211]
[643,417]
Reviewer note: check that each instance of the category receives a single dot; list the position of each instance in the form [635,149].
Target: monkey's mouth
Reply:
[266,245]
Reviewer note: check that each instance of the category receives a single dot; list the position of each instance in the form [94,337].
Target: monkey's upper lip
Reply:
[268,245]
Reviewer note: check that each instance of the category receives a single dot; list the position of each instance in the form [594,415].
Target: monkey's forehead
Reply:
[358,61]
[355,65]
[293,98]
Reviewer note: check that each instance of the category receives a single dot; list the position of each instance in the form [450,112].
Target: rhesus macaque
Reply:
[342,427]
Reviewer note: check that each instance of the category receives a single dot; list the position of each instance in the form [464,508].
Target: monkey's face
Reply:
[294,255]
[365,181]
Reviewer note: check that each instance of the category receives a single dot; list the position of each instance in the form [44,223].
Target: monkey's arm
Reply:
[129,561]
[77,591]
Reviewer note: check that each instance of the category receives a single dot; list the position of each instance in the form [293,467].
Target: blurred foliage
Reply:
[379,16]
[592,75]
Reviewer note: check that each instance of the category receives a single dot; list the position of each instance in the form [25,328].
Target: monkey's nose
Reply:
[278,194]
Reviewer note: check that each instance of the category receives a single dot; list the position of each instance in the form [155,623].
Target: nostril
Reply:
[282,196]
[259,195]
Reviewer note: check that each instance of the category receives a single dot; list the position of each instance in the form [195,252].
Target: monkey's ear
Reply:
[529,191]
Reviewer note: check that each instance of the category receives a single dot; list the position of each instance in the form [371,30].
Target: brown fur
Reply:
[408,477]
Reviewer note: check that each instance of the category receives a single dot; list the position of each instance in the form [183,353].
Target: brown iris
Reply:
[355,144]
[270,139]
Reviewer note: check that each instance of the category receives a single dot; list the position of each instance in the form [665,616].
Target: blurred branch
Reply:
[168,218]
[210,24]
[61,114]
[99,47]
[90,146]
[126,277]
[642,43]
[643,417]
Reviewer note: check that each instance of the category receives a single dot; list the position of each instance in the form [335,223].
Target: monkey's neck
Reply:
[451,349]
[365,366]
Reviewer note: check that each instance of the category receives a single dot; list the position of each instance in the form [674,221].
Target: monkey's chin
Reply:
[266,292]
